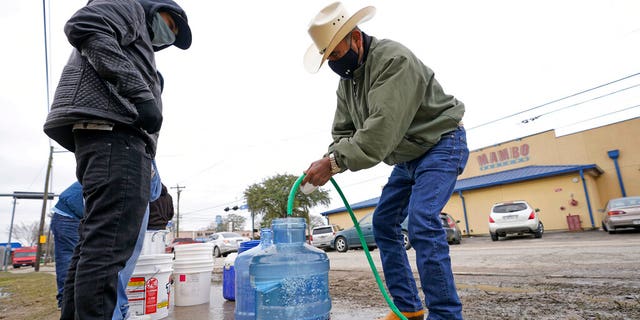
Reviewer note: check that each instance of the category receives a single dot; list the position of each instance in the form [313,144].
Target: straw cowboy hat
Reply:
[328,28]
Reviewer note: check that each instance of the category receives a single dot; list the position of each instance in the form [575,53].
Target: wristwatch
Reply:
[335,168]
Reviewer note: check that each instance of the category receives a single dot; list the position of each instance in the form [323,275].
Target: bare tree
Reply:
[317,220]
[27,233]
[237,221]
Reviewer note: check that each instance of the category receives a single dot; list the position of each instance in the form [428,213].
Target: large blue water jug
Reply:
[245,295]
[292,278]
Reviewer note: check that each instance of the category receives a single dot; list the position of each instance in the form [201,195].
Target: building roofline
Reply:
[493,179]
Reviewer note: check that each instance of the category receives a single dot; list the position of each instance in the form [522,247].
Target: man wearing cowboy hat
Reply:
[108,111]
[391,109]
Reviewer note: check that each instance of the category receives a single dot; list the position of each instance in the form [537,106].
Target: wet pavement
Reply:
[219,308]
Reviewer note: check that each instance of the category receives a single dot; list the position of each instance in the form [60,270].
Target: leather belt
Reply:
[93,125]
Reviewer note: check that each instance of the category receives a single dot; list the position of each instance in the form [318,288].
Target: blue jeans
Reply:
[65,235]
[120,312]
[420,188]
[114,169]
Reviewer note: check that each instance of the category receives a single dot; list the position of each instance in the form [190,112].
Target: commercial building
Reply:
[569,178]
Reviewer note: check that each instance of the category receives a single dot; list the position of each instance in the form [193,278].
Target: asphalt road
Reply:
[587,253]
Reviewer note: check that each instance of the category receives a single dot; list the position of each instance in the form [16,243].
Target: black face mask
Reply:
[345,66]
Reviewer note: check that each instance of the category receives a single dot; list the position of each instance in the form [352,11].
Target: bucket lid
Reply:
[178,263]
[206,246]
[155,258]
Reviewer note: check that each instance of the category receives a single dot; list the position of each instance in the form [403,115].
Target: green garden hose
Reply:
[292,194]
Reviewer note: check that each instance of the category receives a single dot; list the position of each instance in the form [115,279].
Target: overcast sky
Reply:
[239,106]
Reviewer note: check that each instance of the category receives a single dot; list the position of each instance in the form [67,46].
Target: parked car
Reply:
[450,225]
[348,238]
[514,217]
[24,256]
[322,236]
[225,243]
[621,213]
[179,241]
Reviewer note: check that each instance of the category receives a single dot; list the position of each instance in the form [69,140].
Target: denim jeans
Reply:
[114,169]
[120,312]
[65,235]
[420,188]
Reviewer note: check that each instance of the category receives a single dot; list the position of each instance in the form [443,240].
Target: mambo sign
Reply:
[504,157]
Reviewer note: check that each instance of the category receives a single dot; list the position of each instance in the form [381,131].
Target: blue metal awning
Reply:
[495,179]
[521,174]
[363,204]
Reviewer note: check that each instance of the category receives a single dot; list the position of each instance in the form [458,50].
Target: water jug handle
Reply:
[164,236]
[156,270]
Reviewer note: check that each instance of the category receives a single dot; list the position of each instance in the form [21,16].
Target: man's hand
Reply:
[149,116]
[319,172]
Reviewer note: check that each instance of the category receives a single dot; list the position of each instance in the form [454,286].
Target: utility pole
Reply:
[45,196]
[179,189]
[7,251]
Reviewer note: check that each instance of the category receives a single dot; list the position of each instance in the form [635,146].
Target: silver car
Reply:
[514,217]
[225,243]
[621,213]
[322,236]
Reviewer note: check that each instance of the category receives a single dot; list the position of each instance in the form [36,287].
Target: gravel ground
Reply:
[582,275]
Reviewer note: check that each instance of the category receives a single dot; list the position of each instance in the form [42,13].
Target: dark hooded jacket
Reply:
[111,69]
[160,211]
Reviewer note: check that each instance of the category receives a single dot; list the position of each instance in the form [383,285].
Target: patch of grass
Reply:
[29,295]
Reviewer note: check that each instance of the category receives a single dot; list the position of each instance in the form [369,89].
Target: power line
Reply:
[601,116]
[553,101]
[202,171]
[46,59]
[212,207]
[586,101]
[46,49]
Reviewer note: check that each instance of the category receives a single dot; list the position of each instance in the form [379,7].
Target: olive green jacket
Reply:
[393,110]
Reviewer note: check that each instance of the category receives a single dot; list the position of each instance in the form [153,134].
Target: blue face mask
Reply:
[162,34]
[345,66]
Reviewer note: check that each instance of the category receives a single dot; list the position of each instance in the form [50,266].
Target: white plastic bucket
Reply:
[193,251]
[192,280]
[148,289]
[155,242]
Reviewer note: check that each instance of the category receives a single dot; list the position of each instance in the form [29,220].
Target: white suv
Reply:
[514,217]
[322,236]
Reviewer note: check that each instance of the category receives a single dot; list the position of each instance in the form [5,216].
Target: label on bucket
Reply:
[143,296]
[151,300]
[135,294]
